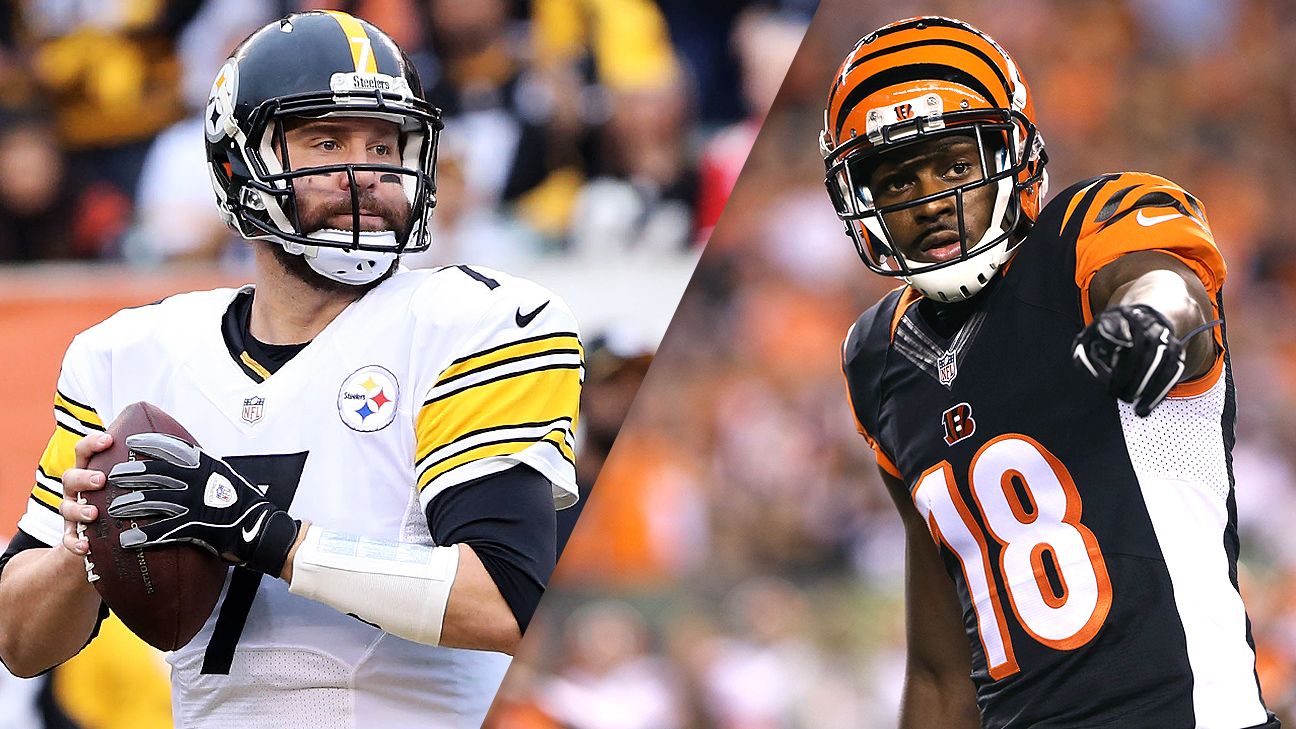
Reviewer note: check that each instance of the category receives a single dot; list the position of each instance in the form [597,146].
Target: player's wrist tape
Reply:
[401,588]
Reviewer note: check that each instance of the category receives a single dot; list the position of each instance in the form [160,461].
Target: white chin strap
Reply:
[354,267]
[964,279]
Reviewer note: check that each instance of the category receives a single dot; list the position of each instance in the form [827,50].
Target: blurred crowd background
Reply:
[589,145]
[739,565]
[577,127]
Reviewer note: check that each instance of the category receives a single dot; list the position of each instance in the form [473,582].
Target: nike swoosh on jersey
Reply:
[1148,221]
[250,533]
[525,319]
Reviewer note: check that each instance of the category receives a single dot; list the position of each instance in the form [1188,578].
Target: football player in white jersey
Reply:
[394,442]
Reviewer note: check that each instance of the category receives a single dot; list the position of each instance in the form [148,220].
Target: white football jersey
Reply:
[431,379]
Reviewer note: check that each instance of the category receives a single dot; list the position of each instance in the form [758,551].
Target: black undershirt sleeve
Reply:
[21,542]
[508,519]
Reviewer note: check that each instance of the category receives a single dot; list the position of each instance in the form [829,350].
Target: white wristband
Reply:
[401,588]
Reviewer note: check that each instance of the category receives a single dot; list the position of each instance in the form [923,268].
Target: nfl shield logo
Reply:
[253,407]
[947,367]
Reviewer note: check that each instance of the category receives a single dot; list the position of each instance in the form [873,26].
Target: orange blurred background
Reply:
[40,312]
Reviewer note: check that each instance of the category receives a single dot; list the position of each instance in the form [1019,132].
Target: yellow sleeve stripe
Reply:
[47,492]
[507,431]
[556,343]
[83,413]
[60,453]
[564,445]
[361,47]
[555,438]
[536,396]
[45,497]
[557,433]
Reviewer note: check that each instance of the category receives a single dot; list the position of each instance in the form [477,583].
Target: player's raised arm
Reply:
[938,690]
[1149,274]
[48,609]
[1136,299]
[1166,284]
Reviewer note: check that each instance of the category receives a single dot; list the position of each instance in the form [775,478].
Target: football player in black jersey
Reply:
[1050,401]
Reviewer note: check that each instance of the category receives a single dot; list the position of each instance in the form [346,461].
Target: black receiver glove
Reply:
[203,500]
[1133,353]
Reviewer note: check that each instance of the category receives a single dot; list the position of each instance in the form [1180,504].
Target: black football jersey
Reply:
[1094,552]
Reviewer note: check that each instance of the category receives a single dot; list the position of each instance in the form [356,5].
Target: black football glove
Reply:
[1133,353]
[203,500]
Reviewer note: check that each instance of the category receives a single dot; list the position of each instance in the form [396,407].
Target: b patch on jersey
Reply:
[367,399]
[958,423]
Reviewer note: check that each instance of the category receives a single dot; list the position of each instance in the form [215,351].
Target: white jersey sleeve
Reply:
[509,395]
[78,402]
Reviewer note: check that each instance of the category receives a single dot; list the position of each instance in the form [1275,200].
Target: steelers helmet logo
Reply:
[218,116]
[367,399]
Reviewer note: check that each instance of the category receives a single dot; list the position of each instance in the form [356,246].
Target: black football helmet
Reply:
[318,64]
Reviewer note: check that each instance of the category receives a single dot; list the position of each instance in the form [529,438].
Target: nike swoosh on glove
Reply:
[203,501]
[1133,353]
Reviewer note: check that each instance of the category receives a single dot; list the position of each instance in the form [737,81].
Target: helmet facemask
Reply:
[1008,145]
[268,207]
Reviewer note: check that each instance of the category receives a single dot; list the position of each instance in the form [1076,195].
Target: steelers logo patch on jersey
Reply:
[367,399]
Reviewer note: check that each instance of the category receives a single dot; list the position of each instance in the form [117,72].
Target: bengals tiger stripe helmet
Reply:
[913,80]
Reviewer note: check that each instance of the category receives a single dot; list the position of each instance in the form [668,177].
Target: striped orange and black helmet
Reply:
[903,84]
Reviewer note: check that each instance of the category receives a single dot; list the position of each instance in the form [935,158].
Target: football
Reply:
[164,594]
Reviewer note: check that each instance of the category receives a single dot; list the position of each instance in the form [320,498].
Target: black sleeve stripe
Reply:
[74,402]
[89,426]
[1155,199]
[73,431]
[560,452]
[40,471]
[492,380]
[507,360]
[1110,207]
[1195,204]
[513,343]
[480,431]
[1072,226]
[528,441]
[53,509]
[491,283]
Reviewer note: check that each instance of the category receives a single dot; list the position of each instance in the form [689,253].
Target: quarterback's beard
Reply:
[395,217]
[316,218]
